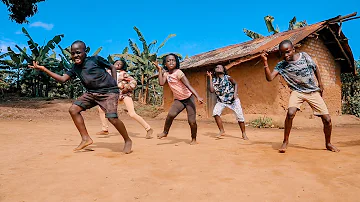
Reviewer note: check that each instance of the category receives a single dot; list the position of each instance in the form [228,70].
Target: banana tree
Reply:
[40,53]
[293,24]
[13,65]
[142,61]
[37,79]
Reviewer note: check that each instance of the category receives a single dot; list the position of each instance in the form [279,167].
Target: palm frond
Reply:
[126,50]
[134,48]
[143,41]
[152,45]
[32,45]
[252,34]
[163,43]
[269,24]
[97,51]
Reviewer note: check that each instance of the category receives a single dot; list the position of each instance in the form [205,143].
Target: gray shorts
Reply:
[235,106]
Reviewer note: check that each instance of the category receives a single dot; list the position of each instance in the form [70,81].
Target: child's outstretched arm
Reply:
[162,79]
[211,87]
[236,87]
[187,84]
[57,77]
[113,72]
[269,75]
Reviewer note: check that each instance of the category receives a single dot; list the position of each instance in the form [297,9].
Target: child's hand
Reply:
[209,74]
[156,63]
[201,100]
[321,90]
[236,96]
[264,56]
[36,66]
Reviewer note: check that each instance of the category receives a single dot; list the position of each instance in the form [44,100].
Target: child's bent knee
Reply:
[192,123]
[132,115]
[327,121]
[74,110]
[112,120]
[171,115]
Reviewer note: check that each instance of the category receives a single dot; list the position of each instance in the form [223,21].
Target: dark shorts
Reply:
[108,102]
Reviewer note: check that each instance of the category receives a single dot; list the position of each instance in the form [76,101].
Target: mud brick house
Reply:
[323,41]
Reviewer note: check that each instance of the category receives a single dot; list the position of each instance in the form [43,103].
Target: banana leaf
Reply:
[163,43]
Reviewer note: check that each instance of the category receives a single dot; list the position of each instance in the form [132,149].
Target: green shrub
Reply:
[262,122]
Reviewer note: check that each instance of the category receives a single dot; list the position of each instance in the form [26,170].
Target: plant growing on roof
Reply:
[293,24]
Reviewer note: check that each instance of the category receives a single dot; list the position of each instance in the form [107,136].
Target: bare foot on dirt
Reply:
[103,132]
[149,133]
[332,148]
[83,144]
[193,142]
[127,147]
[159,136]
[244,137]
[221,133]
[283,147]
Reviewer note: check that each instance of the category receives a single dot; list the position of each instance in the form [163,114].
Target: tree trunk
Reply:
[33,88]
[47,89]
[18,80]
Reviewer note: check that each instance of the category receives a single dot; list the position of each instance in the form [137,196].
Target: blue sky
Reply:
[200,25]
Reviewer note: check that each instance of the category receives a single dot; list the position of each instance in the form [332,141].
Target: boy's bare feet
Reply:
[127,147]
[149,133]
[283,147]
[244,136]
[83,144]
[193,142]
[332,148]
[161,135]
[103,132]
[221,133]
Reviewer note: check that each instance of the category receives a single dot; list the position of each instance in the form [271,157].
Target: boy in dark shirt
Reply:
[101,89]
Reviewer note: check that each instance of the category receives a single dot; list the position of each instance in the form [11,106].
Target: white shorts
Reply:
[235,106]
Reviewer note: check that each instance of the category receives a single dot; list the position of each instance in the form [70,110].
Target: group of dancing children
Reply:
[104,83]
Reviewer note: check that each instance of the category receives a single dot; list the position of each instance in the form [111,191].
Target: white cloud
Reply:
[109,41]
[18,32]
[4,43]
[43,25]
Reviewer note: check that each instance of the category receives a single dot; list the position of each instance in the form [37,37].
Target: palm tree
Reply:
[142,67]
[293,24]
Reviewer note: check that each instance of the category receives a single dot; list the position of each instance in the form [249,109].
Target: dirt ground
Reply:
[38,164]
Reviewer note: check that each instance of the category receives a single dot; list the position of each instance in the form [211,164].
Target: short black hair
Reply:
[213,71]
[79,41]
[124,63]
[285,42]
[176,59]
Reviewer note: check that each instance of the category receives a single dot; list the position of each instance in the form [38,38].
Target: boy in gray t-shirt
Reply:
[299,71]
